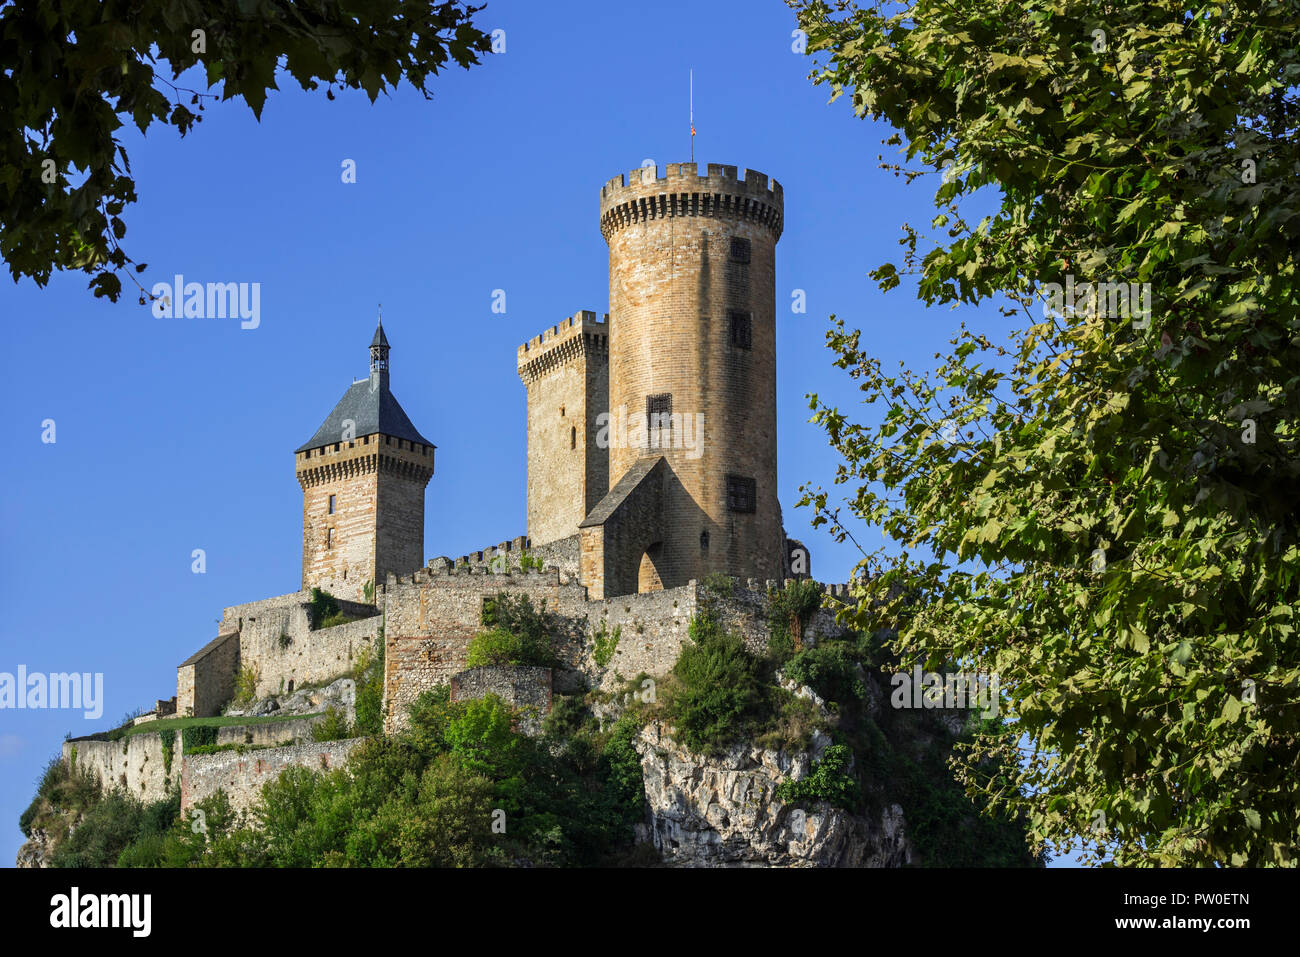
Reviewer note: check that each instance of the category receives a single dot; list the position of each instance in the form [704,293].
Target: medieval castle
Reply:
[651,466]
[651,435]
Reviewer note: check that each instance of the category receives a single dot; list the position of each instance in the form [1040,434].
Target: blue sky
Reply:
[177,434]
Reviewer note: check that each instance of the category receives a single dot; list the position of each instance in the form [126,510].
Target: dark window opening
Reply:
[741,329]
[331,511]
[741,494]
[573,437]
[704,540]
[739,250]
[659,420]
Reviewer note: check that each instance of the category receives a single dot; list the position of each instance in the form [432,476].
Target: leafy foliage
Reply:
[829,670]
[167,738]
[430,798]
[719,695]
[332,727]
[369,676]
[605,643]
[1101,511]
[518,634]
[789,612]
[325,612]
[64,792]
[829,781]
[718,585]
[198,736]
[74,73]
[246,686]
[116,828]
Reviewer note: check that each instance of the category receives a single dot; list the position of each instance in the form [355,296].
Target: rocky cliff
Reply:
[36,852]
[723,811]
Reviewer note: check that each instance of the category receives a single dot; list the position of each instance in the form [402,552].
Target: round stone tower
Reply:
[692,361]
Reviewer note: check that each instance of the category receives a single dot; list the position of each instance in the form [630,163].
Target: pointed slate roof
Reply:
[380,339]
[371,409]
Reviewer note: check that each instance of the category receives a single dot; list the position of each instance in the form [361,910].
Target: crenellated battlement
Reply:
[363,456]
[643,195]
[445,568]
[685,176]
[581,334]
[514,547]
[830,589]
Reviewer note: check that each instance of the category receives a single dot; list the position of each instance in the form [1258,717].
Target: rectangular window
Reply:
[741,329]
[739,250]
[329,538]
[331,511]
[741,494]
[659,420]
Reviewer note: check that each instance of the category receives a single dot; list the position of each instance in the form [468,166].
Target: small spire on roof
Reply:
[380,339]
[379,352]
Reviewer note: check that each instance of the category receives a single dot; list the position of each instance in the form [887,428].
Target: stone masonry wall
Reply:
[338,548]
[400,533]
[206,680]
[744,610]
[561,554]
[431,618]
[137,764]
[651,630]
[566,373]
[302,655]
[621,541]
[527,689]
[267,734]
[134,764]
[242,776]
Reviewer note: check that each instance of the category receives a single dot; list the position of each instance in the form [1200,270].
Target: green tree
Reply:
[369,676]
[451,823]
[73,74]
[719,693]
[519,634]
[1101,511]
[481,736]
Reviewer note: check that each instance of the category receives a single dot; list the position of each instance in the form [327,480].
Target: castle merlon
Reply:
[366,455]
[580,333]
[686,177]
[643,195]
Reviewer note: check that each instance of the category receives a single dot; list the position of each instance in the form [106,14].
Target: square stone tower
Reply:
[566,373]
[363,476]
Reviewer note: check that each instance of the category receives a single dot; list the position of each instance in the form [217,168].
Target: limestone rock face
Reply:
[36,851]
[340,695]
[723,812]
